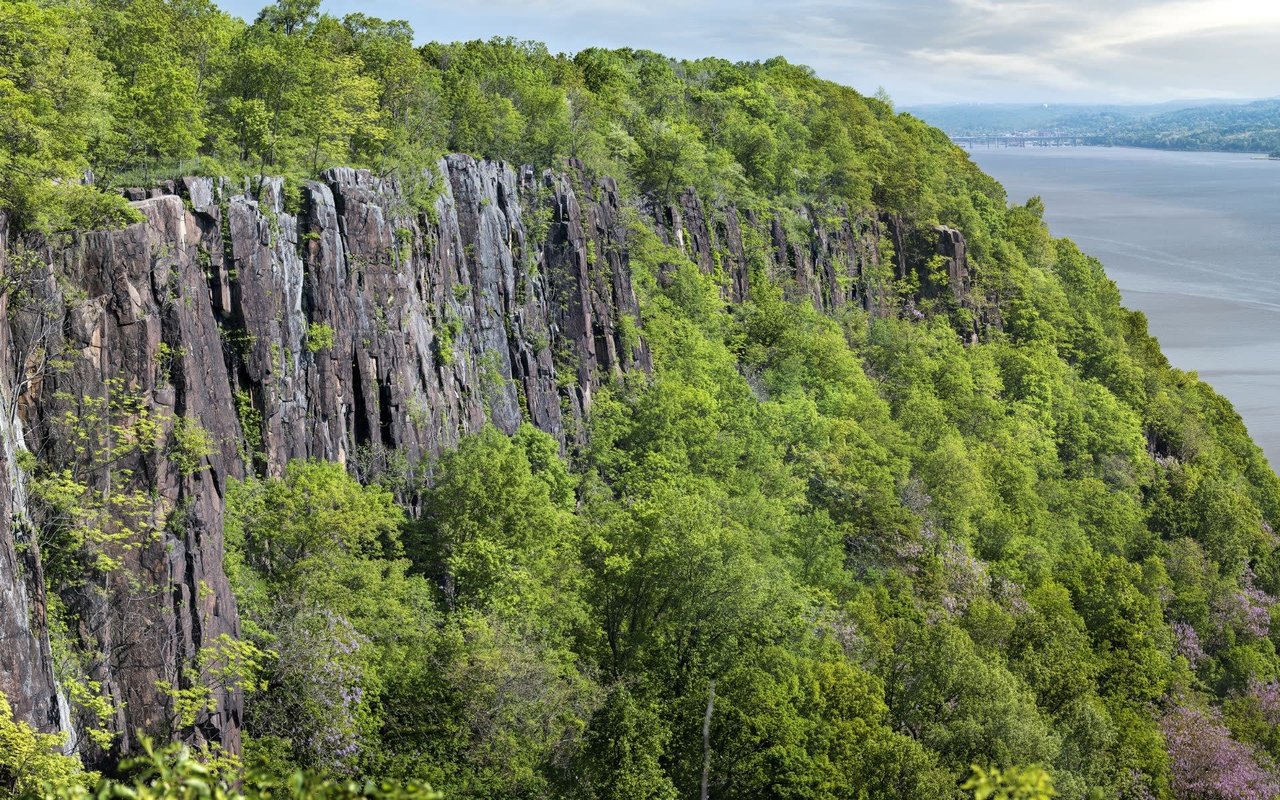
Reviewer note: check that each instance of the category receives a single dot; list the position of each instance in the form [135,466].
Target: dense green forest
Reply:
[1247,128]
[876,551]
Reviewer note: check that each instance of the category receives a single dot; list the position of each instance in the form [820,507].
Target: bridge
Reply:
[1025,140]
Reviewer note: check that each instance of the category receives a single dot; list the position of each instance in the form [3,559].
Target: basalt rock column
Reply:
[26,670]
[140,358]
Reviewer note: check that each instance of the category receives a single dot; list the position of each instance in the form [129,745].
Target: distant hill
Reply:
[1187,125]
[976,119]
[1253,127]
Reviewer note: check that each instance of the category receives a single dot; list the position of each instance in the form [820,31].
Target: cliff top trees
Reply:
[56,108]
[168,59]
[156,88]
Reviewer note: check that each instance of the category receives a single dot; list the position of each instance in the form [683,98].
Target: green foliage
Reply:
[311,558]
[250,422]
[61,207]
[192,444]
[319,337]
[446,333]
[151,89]
[92,506]
[1029,783]
[290,530]
[363,672]
[53,88]
[624,751]
[490,516]
[226,665]
[32,763]
[88,697]
[176,772]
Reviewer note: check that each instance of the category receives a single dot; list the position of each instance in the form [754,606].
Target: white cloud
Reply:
[1171,22]
[1002,66]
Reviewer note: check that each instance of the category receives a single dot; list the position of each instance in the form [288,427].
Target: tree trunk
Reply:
[706,741]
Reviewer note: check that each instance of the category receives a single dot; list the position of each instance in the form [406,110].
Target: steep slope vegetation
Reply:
[749,402]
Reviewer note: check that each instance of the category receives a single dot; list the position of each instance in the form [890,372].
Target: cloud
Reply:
[1000,66]
[526,8]
[1171,22]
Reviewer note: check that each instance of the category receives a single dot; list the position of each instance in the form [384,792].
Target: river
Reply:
[1191,239]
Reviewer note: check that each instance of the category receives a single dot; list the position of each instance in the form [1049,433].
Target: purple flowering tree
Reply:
[1186,643]
[1266,698]
[1207,764]
[1246,610]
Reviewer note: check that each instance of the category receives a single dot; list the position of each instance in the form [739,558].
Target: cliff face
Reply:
[828,259]
[347,325]
[133,355]
[26,671]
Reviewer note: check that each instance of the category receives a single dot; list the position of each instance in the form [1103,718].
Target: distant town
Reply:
[1245,127]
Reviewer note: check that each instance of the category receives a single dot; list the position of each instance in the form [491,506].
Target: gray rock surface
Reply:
[26,671]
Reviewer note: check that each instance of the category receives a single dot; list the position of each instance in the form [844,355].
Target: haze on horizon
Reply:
[921,51]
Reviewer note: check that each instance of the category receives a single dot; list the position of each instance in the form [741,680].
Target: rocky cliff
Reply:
[237,328]
[26,668]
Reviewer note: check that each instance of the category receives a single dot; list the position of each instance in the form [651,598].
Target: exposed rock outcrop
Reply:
[339,322]
[951,246]
[353,329]
[26,670]
[138,356]
[440,321]
[828,257]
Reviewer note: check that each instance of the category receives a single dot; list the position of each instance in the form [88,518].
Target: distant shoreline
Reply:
[996,144]
[1194,126]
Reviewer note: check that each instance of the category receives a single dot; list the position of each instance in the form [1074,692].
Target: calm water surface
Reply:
[1192,239]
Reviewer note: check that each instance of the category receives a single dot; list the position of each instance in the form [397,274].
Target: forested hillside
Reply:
[1249,128]
[381,416]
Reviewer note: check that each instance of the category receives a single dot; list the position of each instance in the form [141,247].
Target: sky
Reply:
[920,51]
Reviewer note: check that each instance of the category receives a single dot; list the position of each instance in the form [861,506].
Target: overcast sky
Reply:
[921,51]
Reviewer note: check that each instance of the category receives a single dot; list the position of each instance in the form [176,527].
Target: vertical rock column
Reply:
[139,342]
[443,318]
[26,670]
[831,265]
